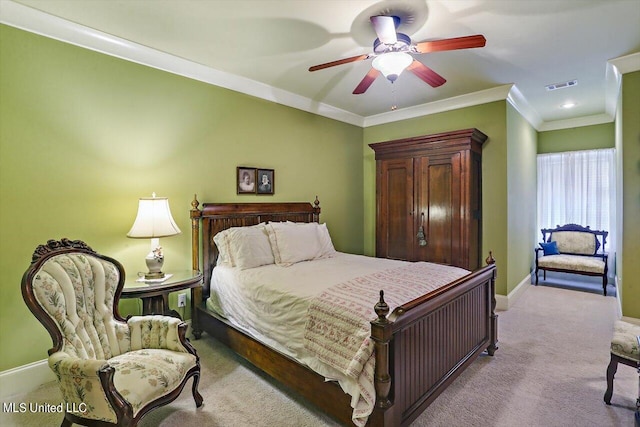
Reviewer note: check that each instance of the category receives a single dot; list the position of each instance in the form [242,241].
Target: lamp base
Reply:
[154,261]
[153,276]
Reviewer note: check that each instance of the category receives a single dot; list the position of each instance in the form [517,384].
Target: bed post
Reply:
[381,333]
[195,233]
[316,210]
[493,327]
[195,215]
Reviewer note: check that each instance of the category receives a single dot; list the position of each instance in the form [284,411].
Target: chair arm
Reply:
[63,364]
[83,383]
[157,331]
[537,251]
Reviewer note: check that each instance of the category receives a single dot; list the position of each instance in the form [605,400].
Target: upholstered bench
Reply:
[624,349]
[575,249]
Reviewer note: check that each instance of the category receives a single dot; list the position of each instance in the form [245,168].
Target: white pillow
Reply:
[244,247]
[326,245]
[292,243]
[295,242]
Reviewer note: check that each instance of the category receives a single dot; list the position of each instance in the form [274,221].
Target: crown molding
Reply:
[520,103]
[577,122]
[44,24]
[498,93]
[627,64]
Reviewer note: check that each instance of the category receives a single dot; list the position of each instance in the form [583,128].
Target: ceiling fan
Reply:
[392,54]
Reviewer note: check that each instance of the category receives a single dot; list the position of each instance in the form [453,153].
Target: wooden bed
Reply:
[420,348]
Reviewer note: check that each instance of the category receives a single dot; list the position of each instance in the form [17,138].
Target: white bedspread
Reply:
[272,303]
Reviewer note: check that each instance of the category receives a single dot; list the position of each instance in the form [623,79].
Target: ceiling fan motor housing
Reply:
[402,45]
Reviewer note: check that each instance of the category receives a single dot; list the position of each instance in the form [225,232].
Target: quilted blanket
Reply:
[338,329]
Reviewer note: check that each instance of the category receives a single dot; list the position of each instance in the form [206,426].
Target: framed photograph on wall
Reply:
[265,181]
[246,180]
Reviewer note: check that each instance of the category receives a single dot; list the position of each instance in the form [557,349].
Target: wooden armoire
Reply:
[428,198]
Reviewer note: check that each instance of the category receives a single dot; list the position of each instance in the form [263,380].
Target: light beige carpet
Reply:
[549,371]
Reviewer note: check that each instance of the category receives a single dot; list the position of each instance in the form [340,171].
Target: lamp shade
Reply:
[154,219]
[391,64]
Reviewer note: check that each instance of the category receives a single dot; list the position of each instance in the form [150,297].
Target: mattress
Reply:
[271,303]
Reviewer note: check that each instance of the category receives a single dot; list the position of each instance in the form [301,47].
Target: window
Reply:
[578,187]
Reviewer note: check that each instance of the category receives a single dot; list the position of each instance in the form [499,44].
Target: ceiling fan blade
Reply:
[339,62]
[426,74]
[466,42]
[385,28]
[366,82]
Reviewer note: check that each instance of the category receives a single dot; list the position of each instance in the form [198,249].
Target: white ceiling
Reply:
[270,44]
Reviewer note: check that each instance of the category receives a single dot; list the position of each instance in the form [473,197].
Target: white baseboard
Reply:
[504,302]
[26,378]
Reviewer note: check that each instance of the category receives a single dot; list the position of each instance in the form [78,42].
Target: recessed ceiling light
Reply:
[568,105]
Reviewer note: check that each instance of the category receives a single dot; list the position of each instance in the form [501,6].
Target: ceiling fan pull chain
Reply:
[394,106]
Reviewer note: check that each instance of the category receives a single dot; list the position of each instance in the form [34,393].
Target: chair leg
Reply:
[536,276]
[604,285]
[611,372]
[194,389]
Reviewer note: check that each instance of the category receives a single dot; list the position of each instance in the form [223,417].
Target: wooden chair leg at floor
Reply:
[611,372]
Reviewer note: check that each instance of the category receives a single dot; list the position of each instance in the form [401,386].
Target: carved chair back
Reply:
[73,292]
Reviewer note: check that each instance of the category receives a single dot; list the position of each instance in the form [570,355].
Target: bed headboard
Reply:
[215,217]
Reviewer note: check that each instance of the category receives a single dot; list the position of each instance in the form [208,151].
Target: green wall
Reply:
[573,139]
[83,135]
[629,267]
[522,141]
[489,118]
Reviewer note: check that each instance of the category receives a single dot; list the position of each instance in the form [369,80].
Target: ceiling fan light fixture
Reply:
[392,64]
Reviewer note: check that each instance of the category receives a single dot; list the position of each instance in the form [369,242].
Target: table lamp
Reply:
[153,221]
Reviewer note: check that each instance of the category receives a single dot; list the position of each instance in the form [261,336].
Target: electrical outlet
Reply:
[182,300]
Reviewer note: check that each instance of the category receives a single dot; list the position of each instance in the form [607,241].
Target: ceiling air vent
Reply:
[562,85]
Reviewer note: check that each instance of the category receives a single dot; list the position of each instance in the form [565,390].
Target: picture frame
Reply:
[265,181]
[246,180]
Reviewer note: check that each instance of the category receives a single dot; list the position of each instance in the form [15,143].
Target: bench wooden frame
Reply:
[601,238]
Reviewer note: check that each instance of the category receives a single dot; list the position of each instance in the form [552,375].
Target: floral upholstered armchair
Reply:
[111,371]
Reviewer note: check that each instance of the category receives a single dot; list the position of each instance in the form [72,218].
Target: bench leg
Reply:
[611,372]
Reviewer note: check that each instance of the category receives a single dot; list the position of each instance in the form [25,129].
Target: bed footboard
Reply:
[425,344]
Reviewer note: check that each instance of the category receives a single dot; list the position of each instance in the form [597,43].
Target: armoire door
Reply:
[433,182]
[438,208]
[395,209]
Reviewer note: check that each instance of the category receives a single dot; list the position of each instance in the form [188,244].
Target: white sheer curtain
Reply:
[578,187]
